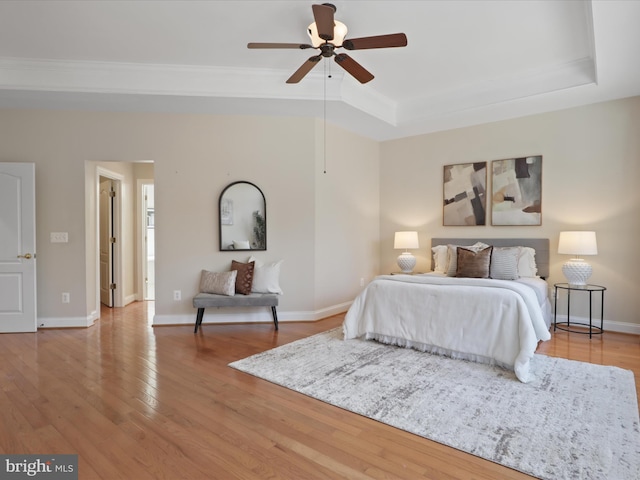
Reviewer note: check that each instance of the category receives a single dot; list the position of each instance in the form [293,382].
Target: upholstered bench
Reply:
[204,300]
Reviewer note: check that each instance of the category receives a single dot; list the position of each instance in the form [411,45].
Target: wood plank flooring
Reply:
[137,402]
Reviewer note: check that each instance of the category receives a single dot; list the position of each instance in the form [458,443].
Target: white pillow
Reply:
[504,263]
[266,277]
[241,245]
[527,262]
[440,258]
[452,256]
[220,283]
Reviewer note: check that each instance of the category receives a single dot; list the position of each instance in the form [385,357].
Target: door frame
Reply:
[117,179]
[142,231]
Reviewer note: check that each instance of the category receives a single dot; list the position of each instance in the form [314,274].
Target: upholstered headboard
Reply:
[541,246]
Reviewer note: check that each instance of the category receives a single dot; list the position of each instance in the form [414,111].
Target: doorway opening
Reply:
[109,214]
[148,240]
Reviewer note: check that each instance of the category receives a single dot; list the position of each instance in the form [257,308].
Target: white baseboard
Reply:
[248,315]
[263,315]
[67,322]
[608,325]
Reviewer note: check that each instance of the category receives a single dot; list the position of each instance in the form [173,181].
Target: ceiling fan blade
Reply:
[354,68]
[323,15]
[304,69]
[301,46]
[378,41]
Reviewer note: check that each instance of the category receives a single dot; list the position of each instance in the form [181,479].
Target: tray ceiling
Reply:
[466,62]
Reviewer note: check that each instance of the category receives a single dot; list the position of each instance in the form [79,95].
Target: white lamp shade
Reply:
[406,240]
[339,32]
[578,243]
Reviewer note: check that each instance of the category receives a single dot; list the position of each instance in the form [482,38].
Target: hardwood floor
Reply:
[137,402]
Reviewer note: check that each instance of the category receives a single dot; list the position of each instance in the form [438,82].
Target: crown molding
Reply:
[186,80]
[250,83]
[577,73]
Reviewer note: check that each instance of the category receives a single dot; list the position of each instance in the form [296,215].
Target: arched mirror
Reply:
[243,217]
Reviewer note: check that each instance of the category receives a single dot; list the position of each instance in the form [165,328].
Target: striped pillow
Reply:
[504,263]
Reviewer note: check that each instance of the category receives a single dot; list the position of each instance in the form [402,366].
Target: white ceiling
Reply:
[466,62]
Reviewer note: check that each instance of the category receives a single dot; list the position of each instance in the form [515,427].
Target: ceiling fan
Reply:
[327,35]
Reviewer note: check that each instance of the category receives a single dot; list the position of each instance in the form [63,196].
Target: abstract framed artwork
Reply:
[465,194]
[516,185]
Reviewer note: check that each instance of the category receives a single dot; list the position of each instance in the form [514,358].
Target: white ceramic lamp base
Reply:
[577,271]
[406,262]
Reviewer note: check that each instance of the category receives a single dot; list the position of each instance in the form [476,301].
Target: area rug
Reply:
[574,421]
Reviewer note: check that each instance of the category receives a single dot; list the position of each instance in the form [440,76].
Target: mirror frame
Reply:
[264,202]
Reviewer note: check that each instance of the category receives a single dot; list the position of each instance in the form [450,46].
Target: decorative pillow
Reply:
[440,258]
[241,245]
[473,264]
[527,262]
[266,277]
[221,283]
[452,257]
[244,279]
[504,263]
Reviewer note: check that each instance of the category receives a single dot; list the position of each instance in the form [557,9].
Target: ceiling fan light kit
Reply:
[326,35]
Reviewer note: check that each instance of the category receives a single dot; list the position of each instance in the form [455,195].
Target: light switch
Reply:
[59,237]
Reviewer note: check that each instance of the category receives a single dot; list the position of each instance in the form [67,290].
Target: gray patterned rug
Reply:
[575,421]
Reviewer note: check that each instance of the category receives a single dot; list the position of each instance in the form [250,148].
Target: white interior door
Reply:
[17,248]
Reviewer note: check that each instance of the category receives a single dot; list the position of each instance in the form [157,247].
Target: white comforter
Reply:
[484,320]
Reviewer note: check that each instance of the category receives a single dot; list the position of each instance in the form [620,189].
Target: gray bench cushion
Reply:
[204,300]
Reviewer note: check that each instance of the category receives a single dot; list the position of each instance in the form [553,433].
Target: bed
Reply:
[497,321]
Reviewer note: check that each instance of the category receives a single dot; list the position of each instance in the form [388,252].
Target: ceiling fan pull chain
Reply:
[324,123]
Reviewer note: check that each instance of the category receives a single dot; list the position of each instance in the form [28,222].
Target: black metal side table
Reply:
[566,326]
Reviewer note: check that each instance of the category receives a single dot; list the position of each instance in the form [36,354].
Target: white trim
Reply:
[67,322]
[130,299]
[217,315]
[608,325]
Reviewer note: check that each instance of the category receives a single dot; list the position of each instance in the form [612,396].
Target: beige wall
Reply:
[347,216]
[333,229]
[591,171]
[195,157]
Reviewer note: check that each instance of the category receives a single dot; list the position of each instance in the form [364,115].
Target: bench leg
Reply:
[199,319]
[275,317]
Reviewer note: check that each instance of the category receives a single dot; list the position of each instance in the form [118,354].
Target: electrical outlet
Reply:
[66,298]
[59,237]
[177,295]
[362,282]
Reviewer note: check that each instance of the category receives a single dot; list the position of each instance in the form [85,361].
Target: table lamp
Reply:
[577,270]
[406,240]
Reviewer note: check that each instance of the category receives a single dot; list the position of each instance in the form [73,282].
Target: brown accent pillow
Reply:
[474,264]
[244,280]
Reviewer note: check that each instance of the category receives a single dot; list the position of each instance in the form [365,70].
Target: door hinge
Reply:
[112,239]
[112,193]
[112,286]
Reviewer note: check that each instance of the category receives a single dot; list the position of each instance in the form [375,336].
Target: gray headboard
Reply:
[541,246]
